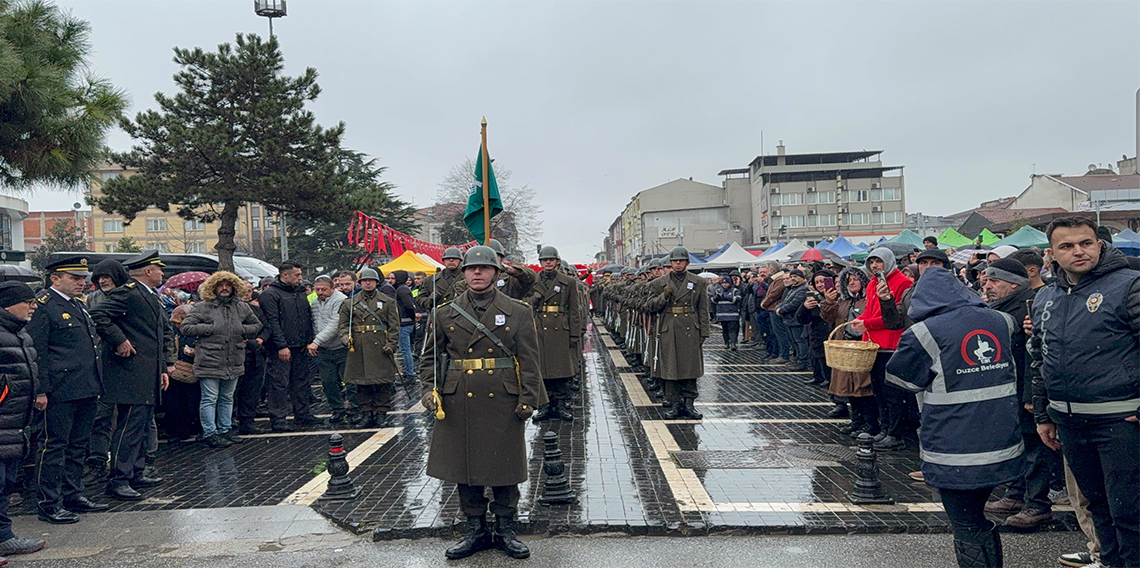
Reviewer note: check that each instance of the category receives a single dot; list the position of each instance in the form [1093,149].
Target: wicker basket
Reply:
[847,355]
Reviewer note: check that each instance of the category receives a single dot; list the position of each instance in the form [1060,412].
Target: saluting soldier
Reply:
[683,304]
[70,383]
[138,355]
[369,325]
[440,288]
[483,358]
[514,281]
[558,321]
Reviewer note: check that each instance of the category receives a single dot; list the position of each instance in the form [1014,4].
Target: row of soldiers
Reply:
[657,315]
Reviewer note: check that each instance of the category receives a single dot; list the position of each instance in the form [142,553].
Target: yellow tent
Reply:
[409,261]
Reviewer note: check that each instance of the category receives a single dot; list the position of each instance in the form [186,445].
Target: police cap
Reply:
[142,260]
[76,265]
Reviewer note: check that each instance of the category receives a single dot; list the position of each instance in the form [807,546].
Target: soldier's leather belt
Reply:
[368,328]
[481,364]
[552,309]
[680,310]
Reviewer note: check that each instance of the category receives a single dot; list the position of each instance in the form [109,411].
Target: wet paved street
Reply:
[765,459]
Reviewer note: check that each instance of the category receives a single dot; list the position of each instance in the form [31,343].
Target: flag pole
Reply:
[486,188]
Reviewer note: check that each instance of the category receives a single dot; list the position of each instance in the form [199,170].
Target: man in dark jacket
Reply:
[249,387]
[138,355]
[1088,322]
[405,303]
[290,367]
[1007,290]
[106,276]
[958,355]
[794,295]
[817,329]
[70,382]
[18,370]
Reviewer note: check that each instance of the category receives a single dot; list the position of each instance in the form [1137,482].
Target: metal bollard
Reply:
[340,484]
[868,490]
[557,488]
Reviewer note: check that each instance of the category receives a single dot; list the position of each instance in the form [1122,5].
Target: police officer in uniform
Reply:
[487,377]
[683,304]
[138,355]
[558,321]
[68,389]
[514,281]
[440,288]
[370,326]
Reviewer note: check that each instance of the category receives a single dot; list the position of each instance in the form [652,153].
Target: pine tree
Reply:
[62,236]
[237,132]
[127,244]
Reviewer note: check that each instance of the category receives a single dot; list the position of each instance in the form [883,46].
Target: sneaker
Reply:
[17,545]
[778,361]
[794,366]
[889,444]
[1059,497]
[1005,506]
[1029,518]
[233,437]
[217,442]
[1077,559]
[917,476]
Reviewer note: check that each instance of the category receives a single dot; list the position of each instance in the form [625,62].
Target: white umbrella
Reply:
[707,275]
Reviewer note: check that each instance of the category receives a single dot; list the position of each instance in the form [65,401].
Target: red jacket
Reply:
[873,317]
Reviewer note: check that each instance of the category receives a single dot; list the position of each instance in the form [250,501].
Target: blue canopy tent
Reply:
[694,260]
[713,256]
[776,248]
[1128,241]
[823,245]
[843,248]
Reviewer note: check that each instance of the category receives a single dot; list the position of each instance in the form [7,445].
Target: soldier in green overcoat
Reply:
[682,303]
[369,324]
[488,385]
[440,288]
[558,322]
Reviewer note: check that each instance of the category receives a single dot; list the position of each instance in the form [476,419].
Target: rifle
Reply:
[656,347]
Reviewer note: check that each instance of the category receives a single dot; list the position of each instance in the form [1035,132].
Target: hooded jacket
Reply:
[898,283]
[1090,336]
[221,327]
[959,355]
[1014,305]
[108,267]
[17,372]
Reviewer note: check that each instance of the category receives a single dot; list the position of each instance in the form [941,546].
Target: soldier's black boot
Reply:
[478,538]
[507,540]
[542,414]
[690,410]
[671,410]
[565,412]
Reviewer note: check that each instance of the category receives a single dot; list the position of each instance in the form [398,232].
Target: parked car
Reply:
[250,269]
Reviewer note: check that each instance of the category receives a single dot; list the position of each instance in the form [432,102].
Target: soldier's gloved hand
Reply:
[668,292]
[536,300]
[389,348]
[523,411]
[429,402]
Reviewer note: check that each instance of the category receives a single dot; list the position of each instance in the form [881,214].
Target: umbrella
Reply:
[18,273]
[900,250]
[963,256]
[612,268]
[707,275]
[814,254]
[188,281]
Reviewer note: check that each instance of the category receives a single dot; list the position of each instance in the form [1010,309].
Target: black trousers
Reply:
[558,390]
[1103,458]
[677,390]
[864,411]
[63,449]
[288,385]
[896,406]
[473,502]
[248,394]
[966,510]
[1033,487]
[129,443]
[375,398]
[729,331]
[819,369]
[100,443]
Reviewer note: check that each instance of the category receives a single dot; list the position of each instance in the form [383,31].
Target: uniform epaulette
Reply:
[44,297]
[130,284]
[522,303]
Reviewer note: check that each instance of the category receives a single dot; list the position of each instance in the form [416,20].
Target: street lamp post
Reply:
[275,9]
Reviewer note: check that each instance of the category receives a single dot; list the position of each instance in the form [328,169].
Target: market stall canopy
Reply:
[988,238]
[1025,237]
[733,257]
[952,238]
[822,245]
[772,250]
[900,250]
[843,248]
[429,260]
[908,237]
[716,254]
[1128,241]
[409,261]
[782,254]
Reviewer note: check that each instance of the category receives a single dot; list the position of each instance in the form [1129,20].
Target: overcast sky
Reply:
[591,102]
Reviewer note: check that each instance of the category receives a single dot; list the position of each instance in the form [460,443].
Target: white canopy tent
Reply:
[733,257]
[794,246]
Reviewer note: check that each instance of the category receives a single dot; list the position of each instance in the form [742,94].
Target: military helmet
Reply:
[628,270]
[481,256]
[368,273]
[548,252]
[452,252]
[679,253]
[497,247]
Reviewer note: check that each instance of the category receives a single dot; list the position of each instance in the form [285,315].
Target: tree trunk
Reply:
[227,228]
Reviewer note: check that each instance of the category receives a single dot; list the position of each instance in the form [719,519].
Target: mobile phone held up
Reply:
[828,283]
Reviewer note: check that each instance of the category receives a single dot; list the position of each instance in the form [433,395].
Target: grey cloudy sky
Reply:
[591,102]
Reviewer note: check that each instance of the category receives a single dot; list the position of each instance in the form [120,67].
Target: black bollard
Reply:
[340,484]
[868,490]
[557,488]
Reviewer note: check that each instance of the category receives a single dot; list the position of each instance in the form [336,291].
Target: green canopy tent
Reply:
[907,237]
[1025,237]
[953,238]
[988,238]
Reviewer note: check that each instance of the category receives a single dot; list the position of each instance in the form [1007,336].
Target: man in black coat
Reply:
[290,367]
[69,386]
[138,355]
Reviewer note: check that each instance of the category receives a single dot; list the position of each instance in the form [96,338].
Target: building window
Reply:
[196,247]
[108,176]
[855,196]
[194,225]
[821,220]
[788,199]
[156,225]
[887,218]
[793,221]
[159,246]
[110,247]
[859,219]
[886,194]
[821,197]
[5,232]
[255,223]
[112,225]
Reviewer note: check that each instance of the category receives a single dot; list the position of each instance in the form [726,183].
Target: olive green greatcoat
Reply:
[517,287]
[583,320]
[679,353]
[557,331]
[371,360]
[481,440]
[443,285]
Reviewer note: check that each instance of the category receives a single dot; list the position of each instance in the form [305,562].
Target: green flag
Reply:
[473,217]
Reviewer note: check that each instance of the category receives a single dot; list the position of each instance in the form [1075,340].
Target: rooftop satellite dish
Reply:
[1092,167]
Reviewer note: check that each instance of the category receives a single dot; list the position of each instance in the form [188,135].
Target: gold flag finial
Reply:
[484,121]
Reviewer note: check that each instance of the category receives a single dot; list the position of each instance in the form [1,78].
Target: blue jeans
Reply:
[406,349]
[799,344]
[786,349]
[217,407]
